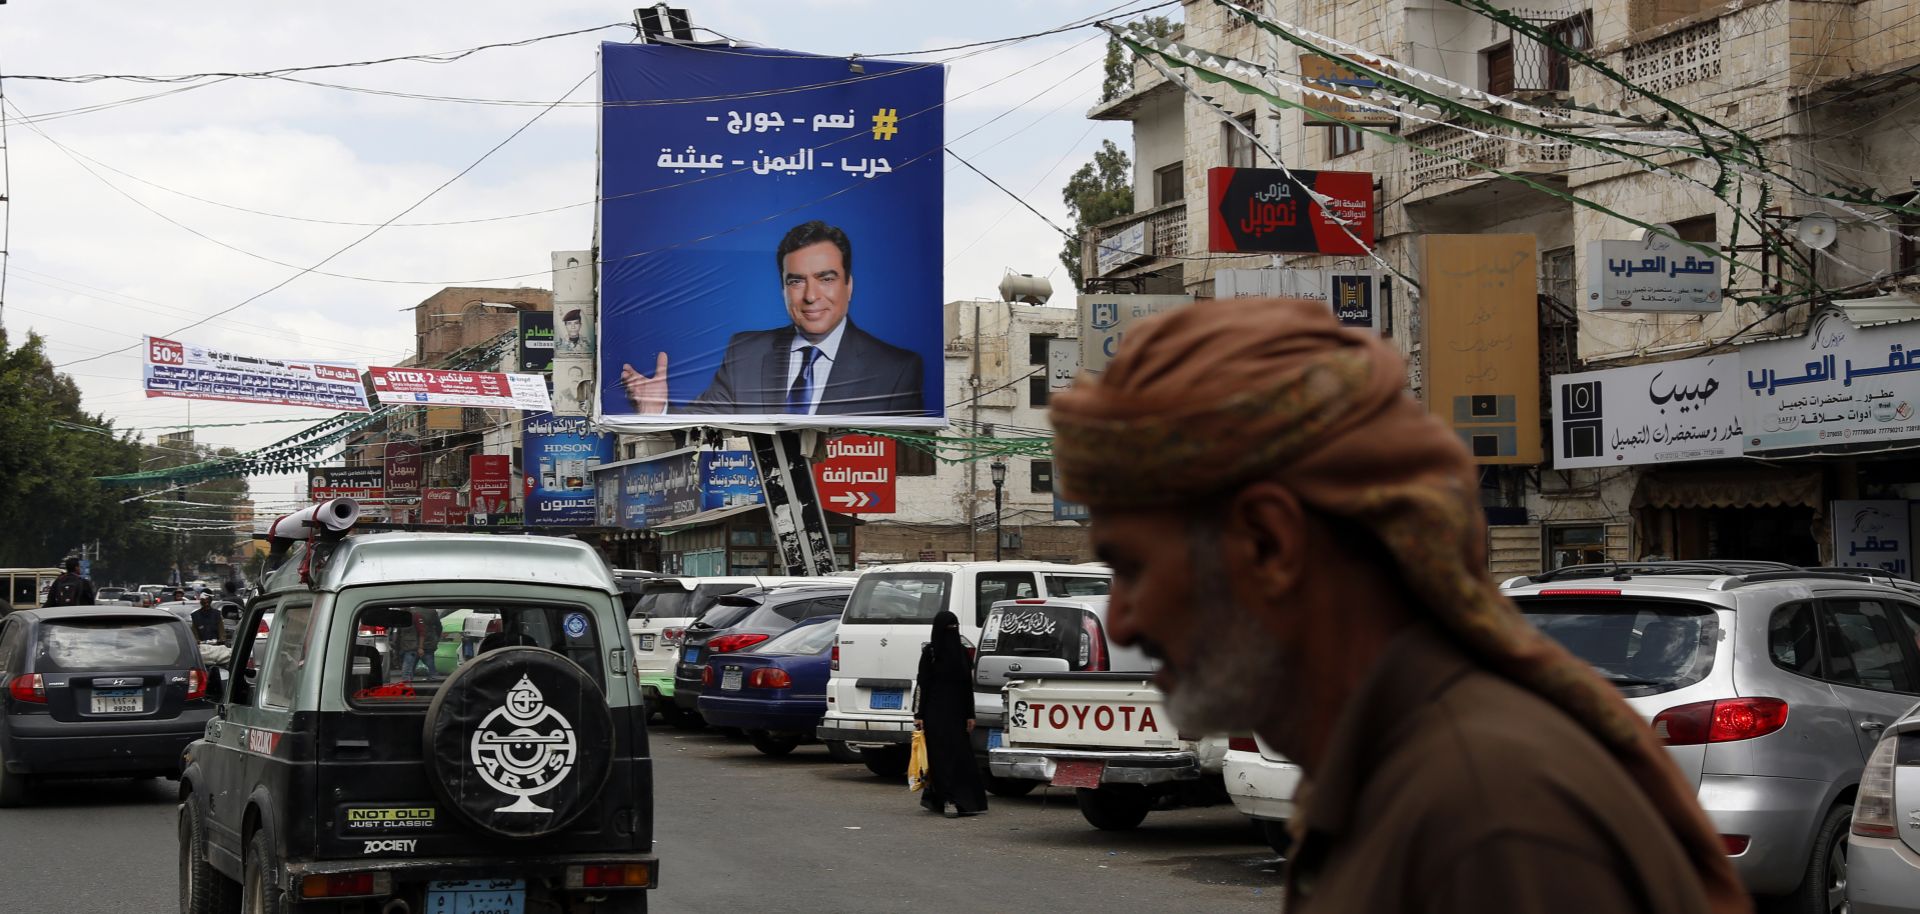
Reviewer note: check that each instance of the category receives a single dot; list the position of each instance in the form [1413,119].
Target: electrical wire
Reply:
[356,242]
[437,57]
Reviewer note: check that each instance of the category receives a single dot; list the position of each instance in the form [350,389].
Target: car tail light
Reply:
[706,675]
[1243,744]
[834,663]
[1039,600]
[672,636]
[263,628]
[727,644]
[769,678]
[1735,844]
[610,876]
[196,684]
[1722,721]
[346,885]
[28,687]
[1873,804]
[1581,592]
[1093,644]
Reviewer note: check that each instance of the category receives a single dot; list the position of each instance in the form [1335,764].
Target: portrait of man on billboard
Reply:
[819,364]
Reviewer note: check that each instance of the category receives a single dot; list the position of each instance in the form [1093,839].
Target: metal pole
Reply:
[998,487]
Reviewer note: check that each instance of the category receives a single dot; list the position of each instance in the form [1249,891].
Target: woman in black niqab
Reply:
[945,715]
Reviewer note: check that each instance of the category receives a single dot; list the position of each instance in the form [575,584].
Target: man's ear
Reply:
[1266,539]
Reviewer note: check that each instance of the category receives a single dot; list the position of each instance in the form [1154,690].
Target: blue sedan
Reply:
[776,692]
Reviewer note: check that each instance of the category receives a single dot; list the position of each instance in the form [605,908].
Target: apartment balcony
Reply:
[1467,160]
[1137,243]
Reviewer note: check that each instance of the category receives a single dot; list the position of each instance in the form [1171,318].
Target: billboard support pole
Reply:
[800,532]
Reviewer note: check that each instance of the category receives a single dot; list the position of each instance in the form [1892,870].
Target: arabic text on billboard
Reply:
[1269,210]
[560,453]
[1665,412]
[175,369]
[1657,274]
[799,280]
[478,389]
[1838,384]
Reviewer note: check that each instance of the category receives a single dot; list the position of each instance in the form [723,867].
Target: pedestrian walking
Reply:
[70,588]
[409,642]
[1302,546]
[944,714]
[206,621]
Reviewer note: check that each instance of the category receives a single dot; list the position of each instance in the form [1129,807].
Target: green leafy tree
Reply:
[1118,70]
[1100,191]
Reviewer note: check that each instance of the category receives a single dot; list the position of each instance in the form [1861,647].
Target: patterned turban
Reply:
[1203,401]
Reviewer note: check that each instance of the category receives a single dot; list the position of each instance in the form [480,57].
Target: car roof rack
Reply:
[1869,572]
[1855,576]
[1624,570]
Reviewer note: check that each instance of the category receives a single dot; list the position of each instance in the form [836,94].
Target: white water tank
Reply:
[1026,288]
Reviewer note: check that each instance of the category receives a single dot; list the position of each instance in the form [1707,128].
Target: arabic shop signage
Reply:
[1839,384]
[1666,412]
[1873,534]
[1658,274]
[1272,211]
[1354,295]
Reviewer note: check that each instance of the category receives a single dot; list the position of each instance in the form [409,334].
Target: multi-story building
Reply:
[996,387]
[1824,90]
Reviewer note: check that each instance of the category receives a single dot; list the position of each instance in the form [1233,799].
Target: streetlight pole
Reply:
[999,470]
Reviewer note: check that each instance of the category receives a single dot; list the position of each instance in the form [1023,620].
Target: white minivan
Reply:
[889,618]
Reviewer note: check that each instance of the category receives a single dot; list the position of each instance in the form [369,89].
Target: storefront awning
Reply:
[1730,487]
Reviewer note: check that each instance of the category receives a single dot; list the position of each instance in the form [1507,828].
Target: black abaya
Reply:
[946,704]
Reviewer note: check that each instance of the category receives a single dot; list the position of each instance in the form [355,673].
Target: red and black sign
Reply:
[1268,211]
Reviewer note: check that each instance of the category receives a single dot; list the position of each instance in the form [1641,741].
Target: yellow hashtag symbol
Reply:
[886,123]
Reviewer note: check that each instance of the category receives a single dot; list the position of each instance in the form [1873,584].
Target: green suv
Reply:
[345,771]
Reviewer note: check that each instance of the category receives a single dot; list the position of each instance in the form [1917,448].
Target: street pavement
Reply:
[738,831]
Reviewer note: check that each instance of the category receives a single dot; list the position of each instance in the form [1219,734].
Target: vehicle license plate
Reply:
[646,642]
[118,701]
[477,896]
[689,655]
[730,680]
[1078,774]
[888,700]
[994,738]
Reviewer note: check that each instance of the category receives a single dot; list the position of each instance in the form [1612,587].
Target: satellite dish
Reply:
[1816,230]
[1660,230]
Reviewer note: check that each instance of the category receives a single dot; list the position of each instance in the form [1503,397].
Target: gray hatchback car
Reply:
[1768,684]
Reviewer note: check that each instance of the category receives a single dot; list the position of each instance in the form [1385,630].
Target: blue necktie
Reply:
[800,395]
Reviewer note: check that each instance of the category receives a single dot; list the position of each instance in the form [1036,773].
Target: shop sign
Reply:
[1837,385]
[1354,295]
[1481,342]
[489,488]
[1104,320]
[1657,274]
[857,476]
[1873,534]
[1665,412]
[1280,211]
[1349,85]
[1123,247]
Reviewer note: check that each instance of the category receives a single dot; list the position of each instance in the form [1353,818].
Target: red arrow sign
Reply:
[857,476]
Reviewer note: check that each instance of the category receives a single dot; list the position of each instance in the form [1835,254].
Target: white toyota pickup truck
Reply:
[1107,735]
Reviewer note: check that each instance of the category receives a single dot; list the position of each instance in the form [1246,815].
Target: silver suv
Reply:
[1768,684]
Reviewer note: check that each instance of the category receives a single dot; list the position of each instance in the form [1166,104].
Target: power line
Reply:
[356,242]
[437,57]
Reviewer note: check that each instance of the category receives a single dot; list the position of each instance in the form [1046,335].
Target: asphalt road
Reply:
[738,831]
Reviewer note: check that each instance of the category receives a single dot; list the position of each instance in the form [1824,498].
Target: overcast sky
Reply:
[92,270]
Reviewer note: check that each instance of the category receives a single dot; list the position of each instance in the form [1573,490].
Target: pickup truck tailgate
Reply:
[1088,711]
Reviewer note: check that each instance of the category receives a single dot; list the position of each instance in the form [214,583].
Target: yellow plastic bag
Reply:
[917,762]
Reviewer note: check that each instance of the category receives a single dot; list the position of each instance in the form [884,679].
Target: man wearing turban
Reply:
[1302,547]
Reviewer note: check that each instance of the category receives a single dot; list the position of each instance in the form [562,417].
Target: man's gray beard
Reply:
[1229,682]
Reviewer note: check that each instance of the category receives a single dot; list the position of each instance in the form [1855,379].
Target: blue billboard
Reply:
[559,454]
[644,494]
[736,190]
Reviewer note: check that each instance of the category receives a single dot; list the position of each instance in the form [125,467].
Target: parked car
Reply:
[738,621]
[99,692]
[157,594]
[659,609]
[1883,852]
[1025,637]
[519,782]
[1261,782]
[114,596]
[1769,685]
[776,692]
[888,618]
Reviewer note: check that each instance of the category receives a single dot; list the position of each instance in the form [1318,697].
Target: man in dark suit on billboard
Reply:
[819,365]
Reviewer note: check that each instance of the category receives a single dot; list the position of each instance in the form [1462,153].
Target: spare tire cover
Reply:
[518,742]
